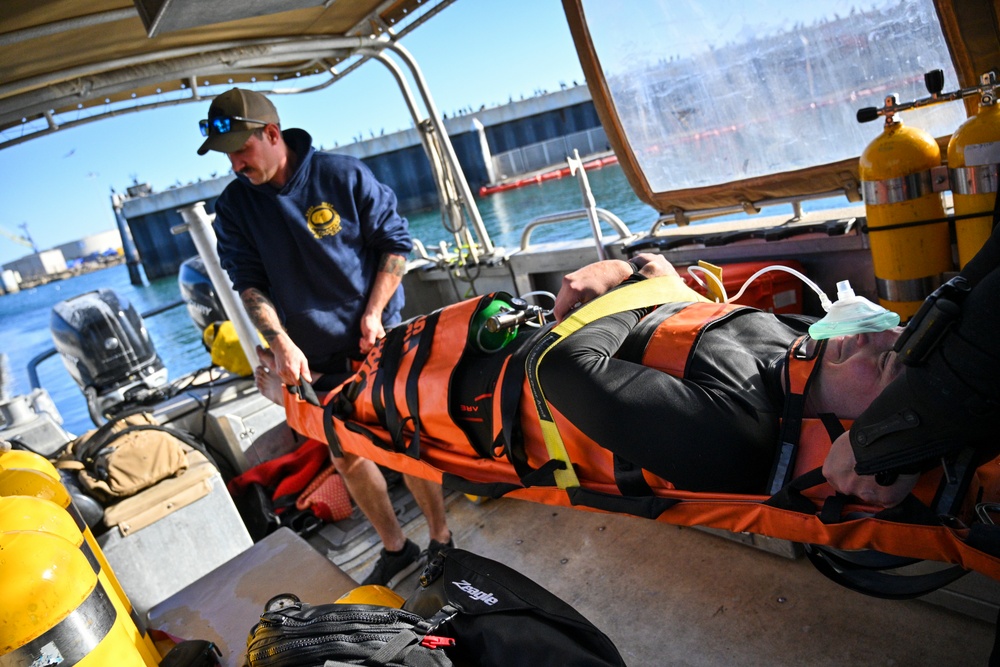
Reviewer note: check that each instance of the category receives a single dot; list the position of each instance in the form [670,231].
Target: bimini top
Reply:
[714,106]
[65,62]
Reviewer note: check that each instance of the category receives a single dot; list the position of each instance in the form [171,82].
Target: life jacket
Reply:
[407,409]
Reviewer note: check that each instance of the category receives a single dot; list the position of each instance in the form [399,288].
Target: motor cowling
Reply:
[909,253]
[104,344]
[973,157]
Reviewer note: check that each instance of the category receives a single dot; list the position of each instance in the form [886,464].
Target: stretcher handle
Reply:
[305,390]
[877,581]
[790,497]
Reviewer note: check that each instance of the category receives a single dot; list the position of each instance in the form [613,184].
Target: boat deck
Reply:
[678,596]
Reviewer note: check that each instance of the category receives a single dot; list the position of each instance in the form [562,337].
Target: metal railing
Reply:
[579,214]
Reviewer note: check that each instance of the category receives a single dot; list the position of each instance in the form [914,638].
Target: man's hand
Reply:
[596,279]
[371,331]
[391,270]
[839,472]
[290,363]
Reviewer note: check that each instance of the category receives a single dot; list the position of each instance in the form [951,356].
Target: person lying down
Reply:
[712,425]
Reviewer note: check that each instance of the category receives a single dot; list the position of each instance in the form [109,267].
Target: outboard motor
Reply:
[198,293]
[105,347]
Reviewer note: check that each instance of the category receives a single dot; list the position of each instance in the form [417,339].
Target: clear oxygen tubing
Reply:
[824,300]
[850,314]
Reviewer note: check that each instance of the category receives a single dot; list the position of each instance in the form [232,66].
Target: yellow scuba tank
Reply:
[372,594]
[896,183]
[973,157]
[55,610]
[39,479]
[33,513]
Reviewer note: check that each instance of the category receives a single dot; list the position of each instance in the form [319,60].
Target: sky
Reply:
[60,184]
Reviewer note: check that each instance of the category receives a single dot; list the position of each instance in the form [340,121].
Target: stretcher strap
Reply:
[510,423]
[798,373]
[385,384]
[648,507]
[632,296]
[629,478]
[425,339]
[540,477]
[865,571]
[328,429]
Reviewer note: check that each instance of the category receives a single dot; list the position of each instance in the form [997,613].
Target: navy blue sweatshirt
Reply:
[313,247]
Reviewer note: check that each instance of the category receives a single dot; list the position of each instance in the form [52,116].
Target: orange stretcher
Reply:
[399,410]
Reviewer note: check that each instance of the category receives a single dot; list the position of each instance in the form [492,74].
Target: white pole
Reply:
[197,222]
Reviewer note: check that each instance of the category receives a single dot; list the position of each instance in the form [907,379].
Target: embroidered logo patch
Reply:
[323,220]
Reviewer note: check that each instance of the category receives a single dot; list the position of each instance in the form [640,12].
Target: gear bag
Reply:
[291,633]
[500,618]
[126,455]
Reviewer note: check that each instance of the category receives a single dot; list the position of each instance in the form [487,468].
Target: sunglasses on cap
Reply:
[223,124]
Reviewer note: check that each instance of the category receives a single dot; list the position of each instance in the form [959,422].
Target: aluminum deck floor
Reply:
[678,596]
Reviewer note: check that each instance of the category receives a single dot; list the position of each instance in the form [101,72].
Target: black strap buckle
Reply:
[930,324]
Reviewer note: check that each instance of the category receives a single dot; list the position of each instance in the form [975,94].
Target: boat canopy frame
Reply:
[134,59]
[65,63]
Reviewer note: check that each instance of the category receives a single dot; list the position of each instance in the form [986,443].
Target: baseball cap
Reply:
[233,117]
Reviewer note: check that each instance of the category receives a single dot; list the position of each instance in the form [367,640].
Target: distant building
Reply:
[10,281]
[92,246]
[38,265]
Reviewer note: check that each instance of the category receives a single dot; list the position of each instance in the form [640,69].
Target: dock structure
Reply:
[397,159]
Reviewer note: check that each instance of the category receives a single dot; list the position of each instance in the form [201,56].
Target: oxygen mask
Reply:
[849,314]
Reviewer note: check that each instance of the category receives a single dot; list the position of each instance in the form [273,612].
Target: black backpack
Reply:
[501,618]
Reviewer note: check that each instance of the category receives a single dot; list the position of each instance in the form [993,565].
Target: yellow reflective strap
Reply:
[642,294]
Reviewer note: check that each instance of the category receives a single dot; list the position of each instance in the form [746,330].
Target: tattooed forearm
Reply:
[262,313]
[394,264]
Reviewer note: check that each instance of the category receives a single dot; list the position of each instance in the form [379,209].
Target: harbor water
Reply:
[24,316]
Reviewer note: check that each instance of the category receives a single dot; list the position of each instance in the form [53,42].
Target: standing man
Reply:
[316,250]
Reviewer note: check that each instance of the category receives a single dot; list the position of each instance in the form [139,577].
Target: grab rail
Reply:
[603,214]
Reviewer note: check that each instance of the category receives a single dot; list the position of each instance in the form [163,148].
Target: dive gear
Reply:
[935,317]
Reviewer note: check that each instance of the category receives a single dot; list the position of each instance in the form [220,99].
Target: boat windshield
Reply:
[712,91]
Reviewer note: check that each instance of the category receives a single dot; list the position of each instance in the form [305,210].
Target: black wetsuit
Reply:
[716,429]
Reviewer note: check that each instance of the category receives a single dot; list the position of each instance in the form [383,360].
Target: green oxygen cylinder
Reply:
[481,336]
